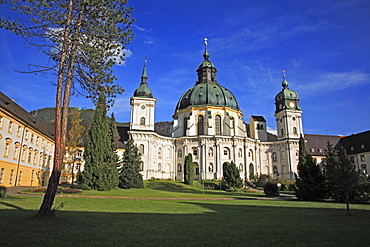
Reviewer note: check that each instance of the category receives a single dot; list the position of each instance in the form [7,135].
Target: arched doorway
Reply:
[196,171]
[251,171]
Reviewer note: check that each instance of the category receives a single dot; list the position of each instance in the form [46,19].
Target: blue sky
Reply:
[323,45]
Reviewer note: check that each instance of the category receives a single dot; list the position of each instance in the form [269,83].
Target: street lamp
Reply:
[278,185]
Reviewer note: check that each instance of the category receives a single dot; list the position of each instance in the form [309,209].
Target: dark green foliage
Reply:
[100,172]
[310,181]
[2,191]
[232,177]
[189,169]
[271,189]
[347,185]
[129,176]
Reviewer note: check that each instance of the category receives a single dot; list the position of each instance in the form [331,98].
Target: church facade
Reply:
[208,124]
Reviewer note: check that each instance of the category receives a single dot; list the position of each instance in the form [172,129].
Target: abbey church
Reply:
[208,123]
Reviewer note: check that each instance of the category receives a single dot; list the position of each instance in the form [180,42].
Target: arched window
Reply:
[274,157]
[227,153]
[210,168]
[185,125]
[295,130]
[200,125]
[159,167]
[240,152]
[179,168]
[16,150]
[141,149]
[250,154]
[159,153]
[142,121]
[282,132]
[218,124]
[210,152]
[179,153]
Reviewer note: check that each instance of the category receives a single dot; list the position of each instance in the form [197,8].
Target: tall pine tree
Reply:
[189,169]
[310,181]
[83,40]
[129,176]
[346,184]
[100,171]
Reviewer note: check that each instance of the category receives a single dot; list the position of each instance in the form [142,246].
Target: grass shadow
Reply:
[207,224]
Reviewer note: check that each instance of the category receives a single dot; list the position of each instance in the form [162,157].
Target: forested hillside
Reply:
[163,128]
[47,115]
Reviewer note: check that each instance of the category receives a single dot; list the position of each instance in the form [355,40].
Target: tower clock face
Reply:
[291,105]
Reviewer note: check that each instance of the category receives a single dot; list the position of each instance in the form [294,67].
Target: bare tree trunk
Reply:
[49,197]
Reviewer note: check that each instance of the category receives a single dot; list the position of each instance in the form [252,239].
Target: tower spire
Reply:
[144,76]
[284,84]
[143,90]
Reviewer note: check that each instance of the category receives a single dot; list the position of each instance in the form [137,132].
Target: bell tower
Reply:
[288,113]
[142,106]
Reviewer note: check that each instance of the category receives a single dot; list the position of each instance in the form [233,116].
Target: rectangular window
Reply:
[31,138]
[11,177]
[32,173]
[6,149]
[19,131]
[1,175]
[362,158]
[10,127]
[195,152]
[16,152]
[19,178]
[79,153]
[1,122]
[29,156]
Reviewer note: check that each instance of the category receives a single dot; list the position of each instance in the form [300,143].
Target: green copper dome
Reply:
[286,99]
[207,91]
[286,93]
[204,94]
[143,90]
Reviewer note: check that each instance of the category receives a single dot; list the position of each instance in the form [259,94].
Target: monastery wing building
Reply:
[208,123]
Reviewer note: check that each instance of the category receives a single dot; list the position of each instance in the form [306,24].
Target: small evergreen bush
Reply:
[271,189]
[2,191]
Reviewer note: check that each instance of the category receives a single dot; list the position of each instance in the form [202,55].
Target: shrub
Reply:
[287,185]
[271,189]
[2,191]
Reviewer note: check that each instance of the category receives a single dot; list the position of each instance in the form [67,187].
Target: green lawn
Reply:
[247,221]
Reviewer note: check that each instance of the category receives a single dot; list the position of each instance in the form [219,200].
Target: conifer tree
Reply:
[83,40]
[100,171]
[310,181]
[129,175]
[189,170]
[346,184]
[232,177]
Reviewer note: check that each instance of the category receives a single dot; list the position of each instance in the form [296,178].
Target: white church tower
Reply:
[288,113]
[142,106]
